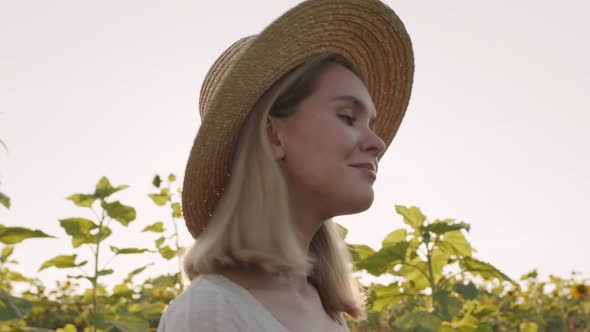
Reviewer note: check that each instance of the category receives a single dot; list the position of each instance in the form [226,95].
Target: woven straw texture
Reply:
[366,32]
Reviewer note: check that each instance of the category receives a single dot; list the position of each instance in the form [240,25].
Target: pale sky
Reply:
[497,132]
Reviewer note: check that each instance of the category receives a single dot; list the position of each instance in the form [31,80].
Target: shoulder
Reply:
[203,306]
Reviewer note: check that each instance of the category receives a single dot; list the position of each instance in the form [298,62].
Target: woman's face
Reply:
[331,130]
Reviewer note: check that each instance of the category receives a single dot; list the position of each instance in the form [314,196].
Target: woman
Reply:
[294,121]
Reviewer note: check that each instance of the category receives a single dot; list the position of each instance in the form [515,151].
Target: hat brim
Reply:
[366,32]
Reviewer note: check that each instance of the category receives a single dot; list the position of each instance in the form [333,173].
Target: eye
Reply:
[348,118]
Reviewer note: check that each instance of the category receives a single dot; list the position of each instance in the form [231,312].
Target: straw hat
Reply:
[366,32]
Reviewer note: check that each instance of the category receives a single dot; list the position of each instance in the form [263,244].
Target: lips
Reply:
[367,170]
[366,165]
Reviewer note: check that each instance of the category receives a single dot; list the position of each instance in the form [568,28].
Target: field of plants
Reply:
[438,283]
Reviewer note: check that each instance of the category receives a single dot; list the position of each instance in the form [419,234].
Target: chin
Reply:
[359,204]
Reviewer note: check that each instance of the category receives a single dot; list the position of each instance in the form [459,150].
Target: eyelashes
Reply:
[349,119]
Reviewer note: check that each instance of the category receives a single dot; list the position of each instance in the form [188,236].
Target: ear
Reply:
[273,129]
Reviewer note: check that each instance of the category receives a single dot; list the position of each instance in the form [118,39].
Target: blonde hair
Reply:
[252,224]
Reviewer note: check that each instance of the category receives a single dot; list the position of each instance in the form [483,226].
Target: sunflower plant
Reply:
[440,286]
[431,264]
[438,283]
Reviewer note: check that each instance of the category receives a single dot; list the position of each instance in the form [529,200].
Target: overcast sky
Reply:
[497,132]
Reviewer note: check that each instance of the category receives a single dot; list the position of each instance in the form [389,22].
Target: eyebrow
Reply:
[358,104]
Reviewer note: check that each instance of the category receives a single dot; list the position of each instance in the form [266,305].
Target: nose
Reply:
[372,143]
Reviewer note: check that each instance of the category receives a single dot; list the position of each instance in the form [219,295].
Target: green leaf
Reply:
[79,230]
[157,227]
[127,251]
[105,233]
[412,216]
[484,269]
[382,260]
[105,272]
[5,200]
[394,237]
[439,260]
[167,252]
[6,252]
[468,291]
[128,323]
[157,181]
[531,275]
[171,178]
[137,271]
[95,320]
[415,272]
[419,321]
[528,327]
[360,251]
[341,230]
[484,310]
[67,328]
[80,277]
[122,213]
[135,308]
[87,297]
[386,296]
[176,210]
[166,281]
[122,291]
[83,200]
[146,310]
[447,305]
[455,243]
[413,247]
[13,307]
[159,199]
[62,262]
[16,276]
[159,241]
[441,227]
[104,188]
[14,235]
[466,324]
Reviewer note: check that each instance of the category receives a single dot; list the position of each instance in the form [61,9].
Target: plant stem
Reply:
[178,255]
[431,277]
[180,280]
[95,278]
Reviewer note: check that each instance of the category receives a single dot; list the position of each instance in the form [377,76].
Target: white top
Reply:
[213,303]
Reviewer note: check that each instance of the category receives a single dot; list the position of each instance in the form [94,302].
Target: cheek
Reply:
[310,162]
[322,170]
[319,169]
[323,154]
[318,153]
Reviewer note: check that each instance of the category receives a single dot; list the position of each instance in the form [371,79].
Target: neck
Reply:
[308,223]
[258,279]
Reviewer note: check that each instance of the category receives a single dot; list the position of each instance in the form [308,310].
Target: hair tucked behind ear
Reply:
[252,224]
